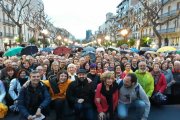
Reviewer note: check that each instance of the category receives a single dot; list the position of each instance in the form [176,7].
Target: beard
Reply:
[142,70]
[82,79]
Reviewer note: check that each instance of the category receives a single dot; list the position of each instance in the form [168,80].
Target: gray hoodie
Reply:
[127,95]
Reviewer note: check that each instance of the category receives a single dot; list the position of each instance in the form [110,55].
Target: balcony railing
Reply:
[168,14]
[9,35]
[167,30]
[8,22]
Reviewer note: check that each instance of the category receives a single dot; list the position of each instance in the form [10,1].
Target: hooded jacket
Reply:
[128,95]
[146,80]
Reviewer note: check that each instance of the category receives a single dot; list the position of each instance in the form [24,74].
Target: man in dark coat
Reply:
[33,98]
[80,94]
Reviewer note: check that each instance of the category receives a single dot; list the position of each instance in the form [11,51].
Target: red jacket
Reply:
[161,85]
[101,104]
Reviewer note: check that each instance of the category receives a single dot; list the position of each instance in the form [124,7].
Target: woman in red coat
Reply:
[160,84]
[106,97]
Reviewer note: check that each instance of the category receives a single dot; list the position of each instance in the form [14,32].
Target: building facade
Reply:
[9,30]
[170,31]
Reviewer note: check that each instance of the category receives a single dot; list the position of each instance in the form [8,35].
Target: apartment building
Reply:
[170,31]
[9,30]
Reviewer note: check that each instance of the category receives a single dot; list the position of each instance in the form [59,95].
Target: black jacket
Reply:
[95,79]
[78,89]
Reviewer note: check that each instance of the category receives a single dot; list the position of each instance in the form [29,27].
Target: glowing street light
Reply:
[59,37]
[107,37]
[124,32]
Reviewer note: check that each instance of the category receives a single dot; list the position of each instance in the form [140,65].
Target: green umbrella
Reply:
[13,51]
[178,52]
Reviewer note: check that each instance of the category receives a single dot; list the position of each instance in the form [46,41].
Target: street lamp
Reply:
[44,32]
[99,41]
[59,38]
[124,33]
[107,37]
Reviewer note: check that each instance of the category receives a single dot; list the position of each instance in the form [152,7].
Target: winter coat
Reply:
[146,81]
[80,90]
[102,105]
[2,92]
[62,89]
[132,94]
[30,98]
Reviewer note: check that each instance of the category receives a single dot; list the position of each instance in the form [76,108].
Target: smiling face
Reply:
[35,78]
[63,77]
[142,67]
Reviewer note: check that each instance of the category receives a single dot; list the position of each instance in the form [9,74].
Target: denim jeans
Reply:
[135,110]
[84,111]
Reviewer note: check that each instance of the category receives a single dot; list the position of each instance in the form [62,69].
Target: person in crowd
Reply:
[118,72]
[134,65]
[11,74]
[48,63]
[75,61]
[54,70]
[15,66]
[2,92]
[1,63]
[168,75]
[176,76]
[111,66]
[123,61]
[145,78]
[17,83]
[160,83]
[81,61]
[7,63]
[133,101]
[170,65]
[127,69]
[26,65]
[57,88]
[106,64]
[93,76]
[99,69]
[106,96]
[71,69]
[62,65]
[15,87]
[80,95]
[33,98]
[41,72]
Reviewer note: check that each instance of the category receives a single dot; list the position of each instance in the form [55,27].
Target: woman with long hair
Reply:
[57,88]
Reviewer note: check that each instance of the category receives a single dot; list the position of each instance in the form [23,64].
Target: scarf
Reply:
[22,80]
[109,96]
[156,76]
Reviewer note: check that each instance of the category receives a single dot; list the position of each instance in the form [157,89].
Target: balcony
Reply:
[169,14]
[169,30]
[9,35]
[8,22]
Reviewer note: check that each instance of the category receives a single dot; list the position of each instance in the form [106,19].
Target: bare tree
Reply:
[153,11]
[21,6]
[36,20]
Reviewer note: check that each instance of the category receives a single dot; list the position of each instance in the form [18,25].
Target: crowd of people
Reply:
[114,86]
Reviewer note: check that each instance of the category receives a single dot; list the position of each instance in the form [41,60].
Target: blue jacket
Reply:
[30,99]
[2,92]
[14,88]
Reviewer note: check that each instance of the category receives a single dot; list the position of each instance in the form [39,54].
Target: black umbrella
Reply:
[29,50]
